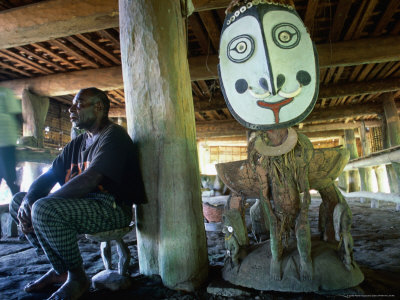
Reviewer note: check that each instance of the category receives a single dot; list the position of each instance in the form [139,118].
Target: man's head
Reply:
[89,108]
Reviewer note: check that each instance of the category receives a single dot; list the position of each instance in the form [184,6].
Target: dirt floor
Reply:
[376,234]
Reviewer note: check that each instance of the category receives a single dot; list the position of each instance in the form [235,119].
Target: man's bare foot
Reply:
[48,279]
[71,290]
[75,286]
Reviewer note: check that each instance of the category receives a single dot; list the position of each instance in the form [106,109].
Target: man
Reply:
[10,116]
[100,180]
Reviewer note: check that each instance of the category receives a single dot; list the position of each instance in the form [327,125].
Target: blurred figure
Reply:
[10,118]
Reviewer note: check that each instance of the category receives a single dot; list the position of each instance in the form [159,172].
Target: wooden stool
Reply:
[105,239]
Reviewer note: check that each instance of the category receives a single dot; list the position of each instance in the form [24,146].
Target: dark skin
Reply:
[87,112]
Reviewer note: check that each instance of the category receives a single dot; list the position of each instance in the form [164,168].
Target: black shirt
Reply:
[113,155]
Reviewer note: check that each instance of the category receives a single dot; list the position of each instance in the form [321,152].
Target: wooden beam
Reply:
[362,51]
[68,83]
[330,91]
[359,88]
[338,126]
[48,20]
[347,53]
[200,5]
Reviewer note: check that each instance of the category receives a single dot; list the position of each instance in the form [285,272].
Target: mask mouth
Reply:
[263,96]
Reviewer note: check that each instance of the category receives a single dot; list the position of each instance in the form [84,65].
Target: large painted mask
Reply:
[268,66]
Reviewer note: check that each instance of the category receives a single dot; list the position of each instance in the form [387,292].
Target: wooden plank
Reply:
[61,44]
[47,20]
[196,90]
[339,19]
[311,11]
[199,32]
[356,71]
[11,56]
[212,27]
[365,17]
[46,61]
[204,88]
[14,69]
[41,47]
[87,50]
[104,52]
[338,74]
[110,36]
[386,17]
[355,22]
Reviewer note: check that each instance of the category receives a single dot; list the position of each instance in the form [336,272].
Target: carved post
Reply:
[34,111]
[366,173]
[350,142]
[160,117]
[343,177]
[392,139]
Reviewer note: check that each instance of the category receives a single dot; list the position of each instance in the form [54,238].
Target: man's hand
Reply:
[24,217]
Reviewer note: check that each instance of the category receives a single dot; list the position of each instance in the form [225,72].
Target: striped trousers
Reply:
[57,221]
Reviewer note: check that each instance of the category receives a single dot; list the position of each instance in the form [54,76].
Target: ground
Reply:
[376,234]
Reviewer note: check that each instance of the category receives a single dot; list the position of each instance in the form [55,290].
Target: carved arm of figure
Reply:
[231,245]
[342,218]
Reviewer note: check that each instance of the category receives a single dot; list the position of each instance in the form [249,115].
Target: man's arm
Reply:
[80,185]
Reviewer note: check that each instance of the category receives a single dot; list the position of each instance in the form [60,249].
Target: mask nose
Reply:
[267,85]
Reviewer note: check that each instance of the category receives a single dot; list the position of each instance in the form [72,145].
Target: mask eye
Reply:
[286,36]
[240,48]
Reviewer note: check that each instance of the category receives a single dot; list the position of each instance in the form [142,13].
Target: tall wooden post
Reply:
[343,177]
[350,142]
[34,112]
[160,117]
[393,139]
[366,173]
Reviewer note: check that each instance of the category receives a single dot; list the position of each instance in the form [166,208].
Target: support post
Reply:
[393,139]
[366,173]
[160,117]
[34,111]
[353,177]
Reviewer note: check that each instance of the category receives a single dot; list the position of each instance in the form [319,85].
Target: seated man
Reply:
[100,180]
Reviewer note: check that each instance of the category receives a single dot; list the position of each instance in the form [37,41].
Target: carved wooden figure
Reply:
[270,77]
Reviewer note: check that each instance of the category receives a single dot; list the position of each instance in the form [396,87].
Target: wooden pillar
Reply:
[160,117]
[366,173]
[392,139]
[343,177]
[354,177]
[34,111]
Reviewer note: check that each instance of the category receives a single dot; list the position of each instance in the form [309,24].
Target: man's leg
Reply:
[57,222]
[8,162]
[14,206]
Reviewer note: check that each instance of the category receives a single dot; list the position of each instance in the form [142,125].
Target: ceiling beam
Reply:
[68,83]
[111,78]
[206,129]
[201,5]
[347,53]
[48,20]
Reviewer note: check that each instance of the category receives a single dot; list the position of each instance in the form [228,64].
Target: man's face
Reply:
[82,112]
[268,67]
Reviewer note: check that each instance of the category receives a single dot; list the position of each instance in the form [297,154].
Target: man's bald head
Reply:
[94,94]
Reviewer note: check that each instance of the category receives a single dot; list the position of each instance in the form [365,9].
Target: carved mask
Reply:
[268,66]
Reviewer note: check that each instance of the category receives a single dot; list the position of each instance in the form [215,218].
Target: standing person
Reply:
[10,117]
[100,181]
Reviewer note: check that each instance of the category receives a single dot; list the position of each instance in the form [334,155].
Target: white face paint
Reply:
[268,68]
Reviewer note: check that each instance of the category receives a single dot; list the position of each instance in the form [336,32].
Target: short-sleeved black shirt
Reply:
[113,155]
